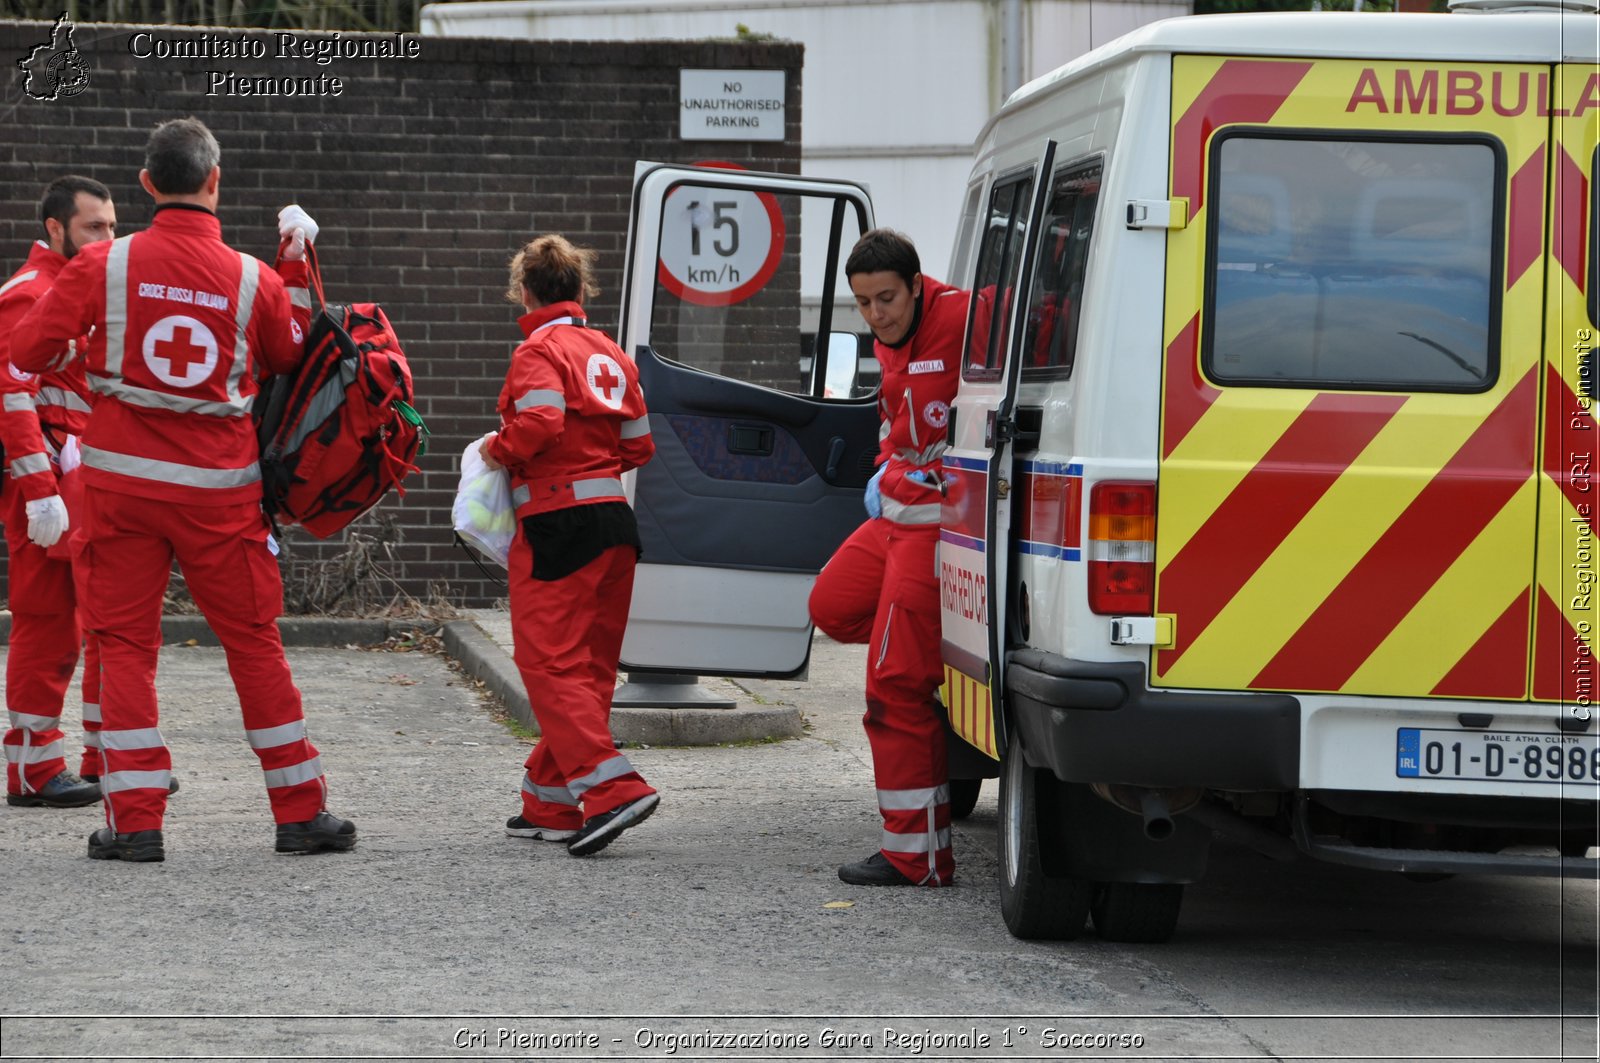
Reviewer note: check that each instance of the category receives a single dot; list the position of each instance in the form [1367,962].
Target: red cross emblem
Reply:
[180,351]
[606,380]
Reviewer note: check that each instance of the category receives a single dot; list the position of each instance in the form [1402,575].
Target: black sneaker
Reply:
[138,847]
[517,827]
[875,870]
[327,832]
[600,831]
[66,790]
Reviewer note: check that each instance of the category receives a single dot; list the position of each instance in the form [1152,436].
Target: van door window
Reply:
[744,282]
[1354,263]
[999,256]
[1051,336]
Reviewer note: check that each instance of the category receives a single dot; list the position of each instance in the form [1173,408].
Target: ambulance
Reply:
[1271,481]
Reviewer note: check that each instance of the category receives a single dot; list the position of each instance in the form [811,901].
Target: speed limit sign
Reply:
[719,246]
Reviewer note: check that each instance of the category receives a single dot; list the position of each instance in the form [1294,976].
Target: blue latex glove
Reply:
[874,496]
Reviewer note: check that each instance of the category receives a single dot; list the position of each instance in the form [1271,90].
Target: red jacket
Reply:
[37,412]
[919,382]
[183,328]
[572,417]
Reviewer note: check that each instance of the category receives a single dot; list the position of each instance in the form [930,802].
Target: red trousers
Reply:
[43,654]
[568,637]
[123,562]
[880,588]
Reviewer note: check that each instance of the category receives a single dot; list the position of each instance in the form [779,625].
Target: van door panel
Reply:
[1564,590]
[759,469]
[1347,481]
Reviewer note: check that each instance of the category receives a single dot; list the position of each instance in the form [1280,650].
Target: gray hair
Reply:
[180,155]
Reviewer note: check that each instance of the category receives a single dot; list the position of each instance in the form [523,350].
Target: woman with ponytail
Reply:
[572,421]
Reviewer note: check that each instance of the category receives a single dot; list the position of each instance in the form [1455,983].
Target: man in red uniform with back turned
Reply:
[880,587]
[182,325]
[41,418]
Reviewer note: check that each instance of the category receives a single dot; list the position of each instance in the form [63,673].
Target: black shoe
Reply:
[139,847]
[172,784]
[64,791]
[326,832]
[600,831]
[875,870]
[517,827]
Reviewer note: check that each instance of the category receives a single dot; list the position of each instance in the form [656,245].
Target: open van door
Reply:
[766,432]
[975,522]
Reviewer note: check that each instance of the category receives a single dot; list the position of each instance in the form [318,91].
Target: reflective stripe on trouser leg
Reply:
[138,773]
[547,805]
[567,636]
[903,718]
[290,767]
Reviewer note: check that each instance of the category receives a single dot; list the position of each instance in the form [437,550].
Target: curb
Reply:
[305,631]
[483,659]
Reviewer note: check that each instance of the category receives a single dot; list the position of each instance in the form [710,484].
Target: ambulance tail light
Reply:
[1122,548]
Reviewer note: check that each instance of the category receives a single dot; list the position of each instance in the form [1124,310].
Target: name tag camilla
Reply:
[934,365]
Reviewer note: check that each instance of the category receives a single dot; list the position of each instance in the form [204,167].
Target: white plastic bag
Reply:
[482,513]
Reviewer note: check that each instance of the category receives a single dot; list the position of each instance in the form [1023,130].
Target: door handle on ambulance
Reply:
[1141,631]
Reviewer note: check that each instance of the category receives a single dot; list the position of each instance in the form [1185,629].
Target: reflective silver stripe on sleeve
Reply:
[282,735]
[614,768]
[116,305]
[17,402]
[900,513]
[91,739]
[29,464]
[300,297]
[540,397]
[250,269]
[600,488]
[162,400]
[91,712]
[34,723]
[916,843]
[550,795]
[294,774]
[61,397]
[118,781]
[137,738]
[35,754]
[21,278]
[913,800]
[883,431]
[639,426]
[520,496]
[170,471]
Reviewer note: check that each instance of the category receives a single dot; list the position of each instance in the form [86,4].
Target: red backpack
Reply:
[339,431]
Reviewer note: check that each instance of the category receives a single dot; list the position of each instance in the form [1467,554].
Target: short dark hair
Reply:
[60,199]
[180,155]
[881,250]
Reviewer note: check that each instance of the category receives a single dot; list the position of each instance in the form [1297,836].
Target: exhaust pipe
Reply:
[1157,817]
[1156,806]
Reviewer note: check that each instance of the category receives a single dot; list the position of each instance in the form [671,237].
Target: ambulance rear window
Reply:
[999,256]
[1362,264]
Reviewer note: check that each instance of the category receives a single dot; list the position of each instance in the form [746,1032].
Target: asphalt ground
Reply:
[716,930]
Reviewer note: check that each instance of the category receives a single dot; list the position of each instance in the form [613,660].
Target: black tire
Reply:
[964,797]
[1142,912]
[1034,905]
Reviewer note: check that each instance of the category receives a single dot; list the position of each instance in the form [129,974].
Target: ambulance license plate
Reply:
[1490,756]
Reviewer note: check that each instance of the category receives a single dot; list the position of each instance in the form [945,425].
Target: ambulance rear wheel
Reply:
[1143,912]
[964,797]
[1034,905]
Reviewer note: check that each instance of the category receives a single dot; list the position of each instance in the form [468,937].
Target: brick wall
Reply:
[426,175]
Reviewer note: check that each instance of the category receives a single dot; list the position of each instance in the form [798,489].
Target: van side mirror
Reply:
[842,351]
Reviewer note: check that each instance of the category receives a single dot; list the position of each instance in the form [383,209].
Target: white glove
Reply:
[47,520]
[297,227]
[71,455]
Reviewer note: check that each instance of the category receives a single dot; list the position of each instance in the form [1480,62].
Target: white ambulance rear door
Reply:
[765,438]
